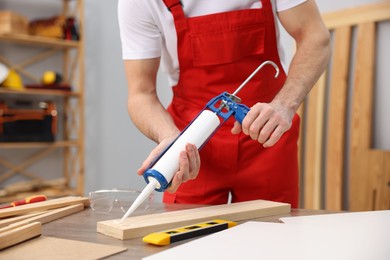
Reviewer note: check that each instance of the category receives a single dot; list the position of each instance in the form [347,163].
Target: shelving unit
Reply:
[71,141]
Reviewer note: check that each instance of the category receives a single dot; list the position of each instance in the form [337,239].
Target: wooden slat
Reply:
[383,183]
[363,14]
[368,173]
[43,205]
[139,226]
[20,234]
[313,145]
[335,142]
[301,153]
[379,162]
[8,221]
[27,39]
[46,217]
[39,92]
[360,195]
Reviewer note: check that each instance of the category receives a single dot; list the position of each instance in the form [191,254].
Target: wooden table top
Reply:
[82,226]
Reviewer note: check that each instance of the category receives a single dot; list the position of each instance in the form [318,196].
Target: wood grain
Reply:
[362,14]
[19,234]
[46,217]
[139,226]
[60,249]
[360,192]
[336,128]
[44,205]
[8,221]
[356,175]
[313,145]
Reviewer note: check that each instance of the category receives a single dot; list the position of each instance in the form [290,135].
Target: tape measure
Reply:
[174,235]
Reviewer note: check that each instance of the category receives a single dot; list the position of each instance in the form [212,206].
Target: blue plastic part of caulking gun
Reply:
[225,111]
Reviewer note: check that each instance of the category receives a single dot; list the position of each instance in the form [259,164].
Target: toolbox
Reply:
[27,121]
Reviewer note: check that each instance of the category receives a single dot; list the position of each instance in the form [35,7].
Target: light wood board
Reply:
[19,234]
[46,217]
[43,205]
[8,221]
[339,167]
[139,226]
[48,248]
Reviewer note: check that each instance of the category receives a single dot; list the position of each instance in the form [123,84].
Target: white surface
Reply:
[340,237]
[3,72]
[197,133]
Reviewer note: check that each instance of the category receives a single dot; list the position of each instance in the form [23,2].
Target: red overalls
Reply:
[217,53]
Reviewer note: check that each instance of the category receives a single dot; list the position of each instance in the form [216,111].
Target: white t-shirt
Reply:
[147,29]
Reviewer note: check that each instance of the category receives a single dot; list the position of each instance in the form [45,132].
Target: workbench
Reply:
[81,226]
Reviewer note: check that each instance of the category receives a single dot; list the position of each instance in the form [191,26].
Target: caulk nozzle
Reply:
[141,198]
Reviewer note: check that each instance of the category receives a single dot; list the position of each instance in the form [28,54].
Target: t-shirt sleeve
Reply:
[140,37]
[282,5]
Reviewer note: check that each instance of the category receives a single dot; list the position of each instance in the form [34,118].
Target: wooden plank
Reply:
[358,15]
[33,40]
[44,205]
[8,221]
[337,107]
[383,183]
[362,119]
[301,152]
[60,249]
[379,179]
[313,145]
[139,226]
[47,216]
[19,234]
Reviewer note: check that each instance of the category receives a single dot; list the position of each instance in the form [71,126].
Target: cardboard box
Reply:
[11,22]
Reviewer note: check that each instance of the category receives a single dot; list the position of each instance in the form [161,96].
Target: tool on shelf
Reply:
[198,132]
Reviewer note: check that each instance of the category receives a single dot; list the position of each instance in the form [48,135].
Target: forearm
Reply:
[312,39]
[144,107]
[307,65]
[150,117]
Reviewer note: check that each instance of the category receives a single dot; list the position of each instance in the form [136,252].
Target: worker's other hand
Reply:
[189,163]
[266,123]
[188,167]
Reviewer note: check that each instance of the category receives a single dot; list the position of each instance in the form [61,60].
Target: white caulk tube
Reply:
[162,172]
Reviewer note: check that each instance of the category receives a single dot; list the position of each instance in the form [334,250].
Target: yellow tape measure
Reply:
[174,235]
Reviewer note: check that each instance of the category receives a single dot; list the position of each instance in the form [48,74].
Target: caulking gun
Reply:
[198,132]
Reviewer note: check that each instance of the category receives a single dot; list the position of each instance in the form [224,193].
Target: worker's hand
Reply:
[188,167]
[266,123]
[189,163]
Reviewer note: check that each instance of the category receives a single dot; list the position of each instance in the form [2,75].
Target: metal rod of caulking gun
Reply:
[254,73]
[234,95]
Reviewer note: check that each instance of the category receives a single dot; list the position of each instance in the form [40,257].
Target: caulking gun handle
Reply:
[240,112]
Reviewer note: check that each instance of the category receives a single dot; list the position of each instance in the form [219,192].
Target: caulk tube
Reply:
[160,175]
[197,133]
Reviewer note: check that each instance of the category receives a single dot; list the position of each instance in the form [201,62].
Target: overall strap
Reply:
[176,8]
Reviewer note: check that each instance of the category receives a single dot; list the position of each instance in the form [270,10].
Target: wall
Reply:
[114,147]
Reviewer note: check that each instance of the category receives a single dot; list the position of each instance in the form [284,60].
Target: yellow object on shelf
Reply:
[13,81]
[51,77]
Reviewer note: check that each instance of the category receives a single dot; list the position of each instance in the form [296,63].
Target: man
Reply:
[206,48]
